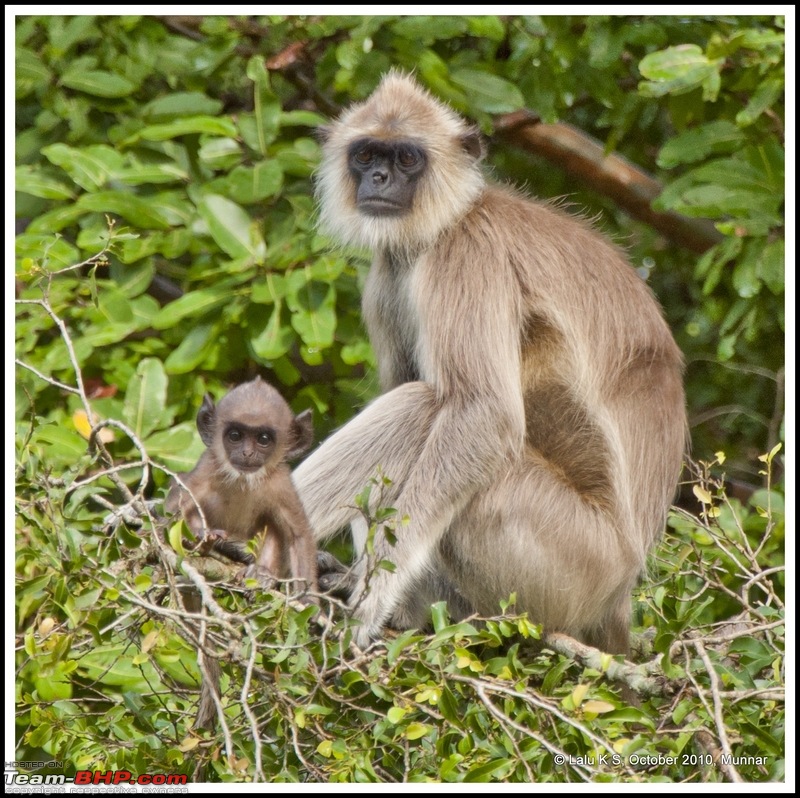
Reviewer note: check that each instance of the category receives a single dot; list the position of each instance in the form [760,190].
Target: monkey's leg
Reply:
[391,434]
[414,435]
[265,569]
[570,563]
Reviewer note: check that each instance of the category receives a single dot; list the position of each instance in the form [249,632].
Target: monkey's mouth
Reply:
[379,206]
[247,469]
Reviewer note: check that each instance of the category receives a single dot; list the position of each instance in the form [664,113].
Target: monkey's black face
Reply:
[248,448]
[386,175]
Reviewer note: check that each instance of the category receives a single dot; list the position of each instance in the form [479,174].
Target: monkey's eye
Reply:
[264,439]
[364,156]
[406,158]
[234,435]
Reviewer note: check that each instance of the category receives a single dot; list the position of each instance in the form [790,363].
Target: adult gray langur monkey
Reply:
[532,418]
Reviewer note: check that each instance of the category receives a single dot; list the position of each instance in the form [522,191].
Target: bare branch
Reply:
[584,159]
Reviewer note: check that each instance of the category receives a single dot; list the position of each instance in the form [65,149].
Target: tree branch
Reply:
[583,158]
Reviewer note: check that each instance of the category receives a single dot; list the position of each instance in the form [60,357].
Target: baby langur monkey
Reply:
[244,486]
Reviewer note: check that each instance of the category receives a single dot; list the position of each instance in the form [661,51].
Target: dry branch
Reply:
[583,158]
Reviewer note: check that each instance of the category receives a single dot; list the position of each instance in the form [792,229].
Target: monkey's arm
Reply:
[288,542]
[179,500]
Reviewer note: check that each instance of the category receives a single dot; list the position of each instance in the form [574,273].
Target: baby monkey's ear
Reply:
[206,416]
[302,434]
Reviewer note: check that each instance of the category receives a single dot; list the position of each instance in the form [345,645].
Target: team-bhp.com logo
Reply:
[93,777]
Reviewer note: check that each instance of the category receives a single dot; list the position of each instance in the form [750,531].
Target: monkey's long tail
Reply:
[207,709]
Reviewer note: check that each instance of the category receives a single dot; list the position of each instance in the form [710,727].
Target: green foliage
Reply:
[199,142]
[182,152]
[107,676]
[732,169]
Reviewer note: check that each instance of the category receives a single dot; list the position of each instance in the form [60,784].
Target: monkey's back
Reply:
[591,336]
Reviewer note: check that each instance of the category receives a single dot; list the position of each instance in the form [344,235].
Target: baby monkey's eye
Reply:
[234,435]
[264,439]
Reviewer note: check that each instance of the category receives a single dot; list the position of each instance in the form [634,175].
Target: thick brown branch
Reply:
[625,672]
[583,158]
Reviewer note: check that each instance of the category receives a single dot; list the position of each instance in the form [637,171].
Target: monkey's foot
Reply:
[335,577]
[266,581]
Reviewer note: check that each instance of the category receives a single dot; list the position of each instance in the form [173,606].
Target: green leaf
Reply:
[29,72]
[97,82]
[273,289]
[213,125]
[48,251]
[171,244]
[489,93]
[178,447]
[267,111]
[273,340]
[63,444]
[745,276]
[143,174]
[314,314]
[677,70]
[770,266]
[230,226]
[700,142]
[178,104]
[113,665]
[765,96]
[137,211]
[196,303]
[54,686]
[426,29]
[114,318]
[247,184]
[146,397]
[756,39]
[30,180]
[718,200]
[673,62]
[396,714]
[302,118]
[193,349]
[416,730]
[55,220]
[90,167]
[133,279]
[494,771]
[439,616]
[488,27]
[220,153]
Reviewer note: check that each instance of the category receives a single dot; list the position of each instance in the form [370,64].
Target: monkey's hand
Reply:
[207,539]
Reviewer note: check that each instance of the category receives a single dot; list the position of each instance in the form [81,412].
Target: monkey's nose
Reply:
[378,178]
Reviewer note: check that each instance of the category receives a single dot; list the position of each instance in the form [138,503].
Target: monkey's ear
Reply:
[472,144]
[205,420]
[302,434]
[322,133]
